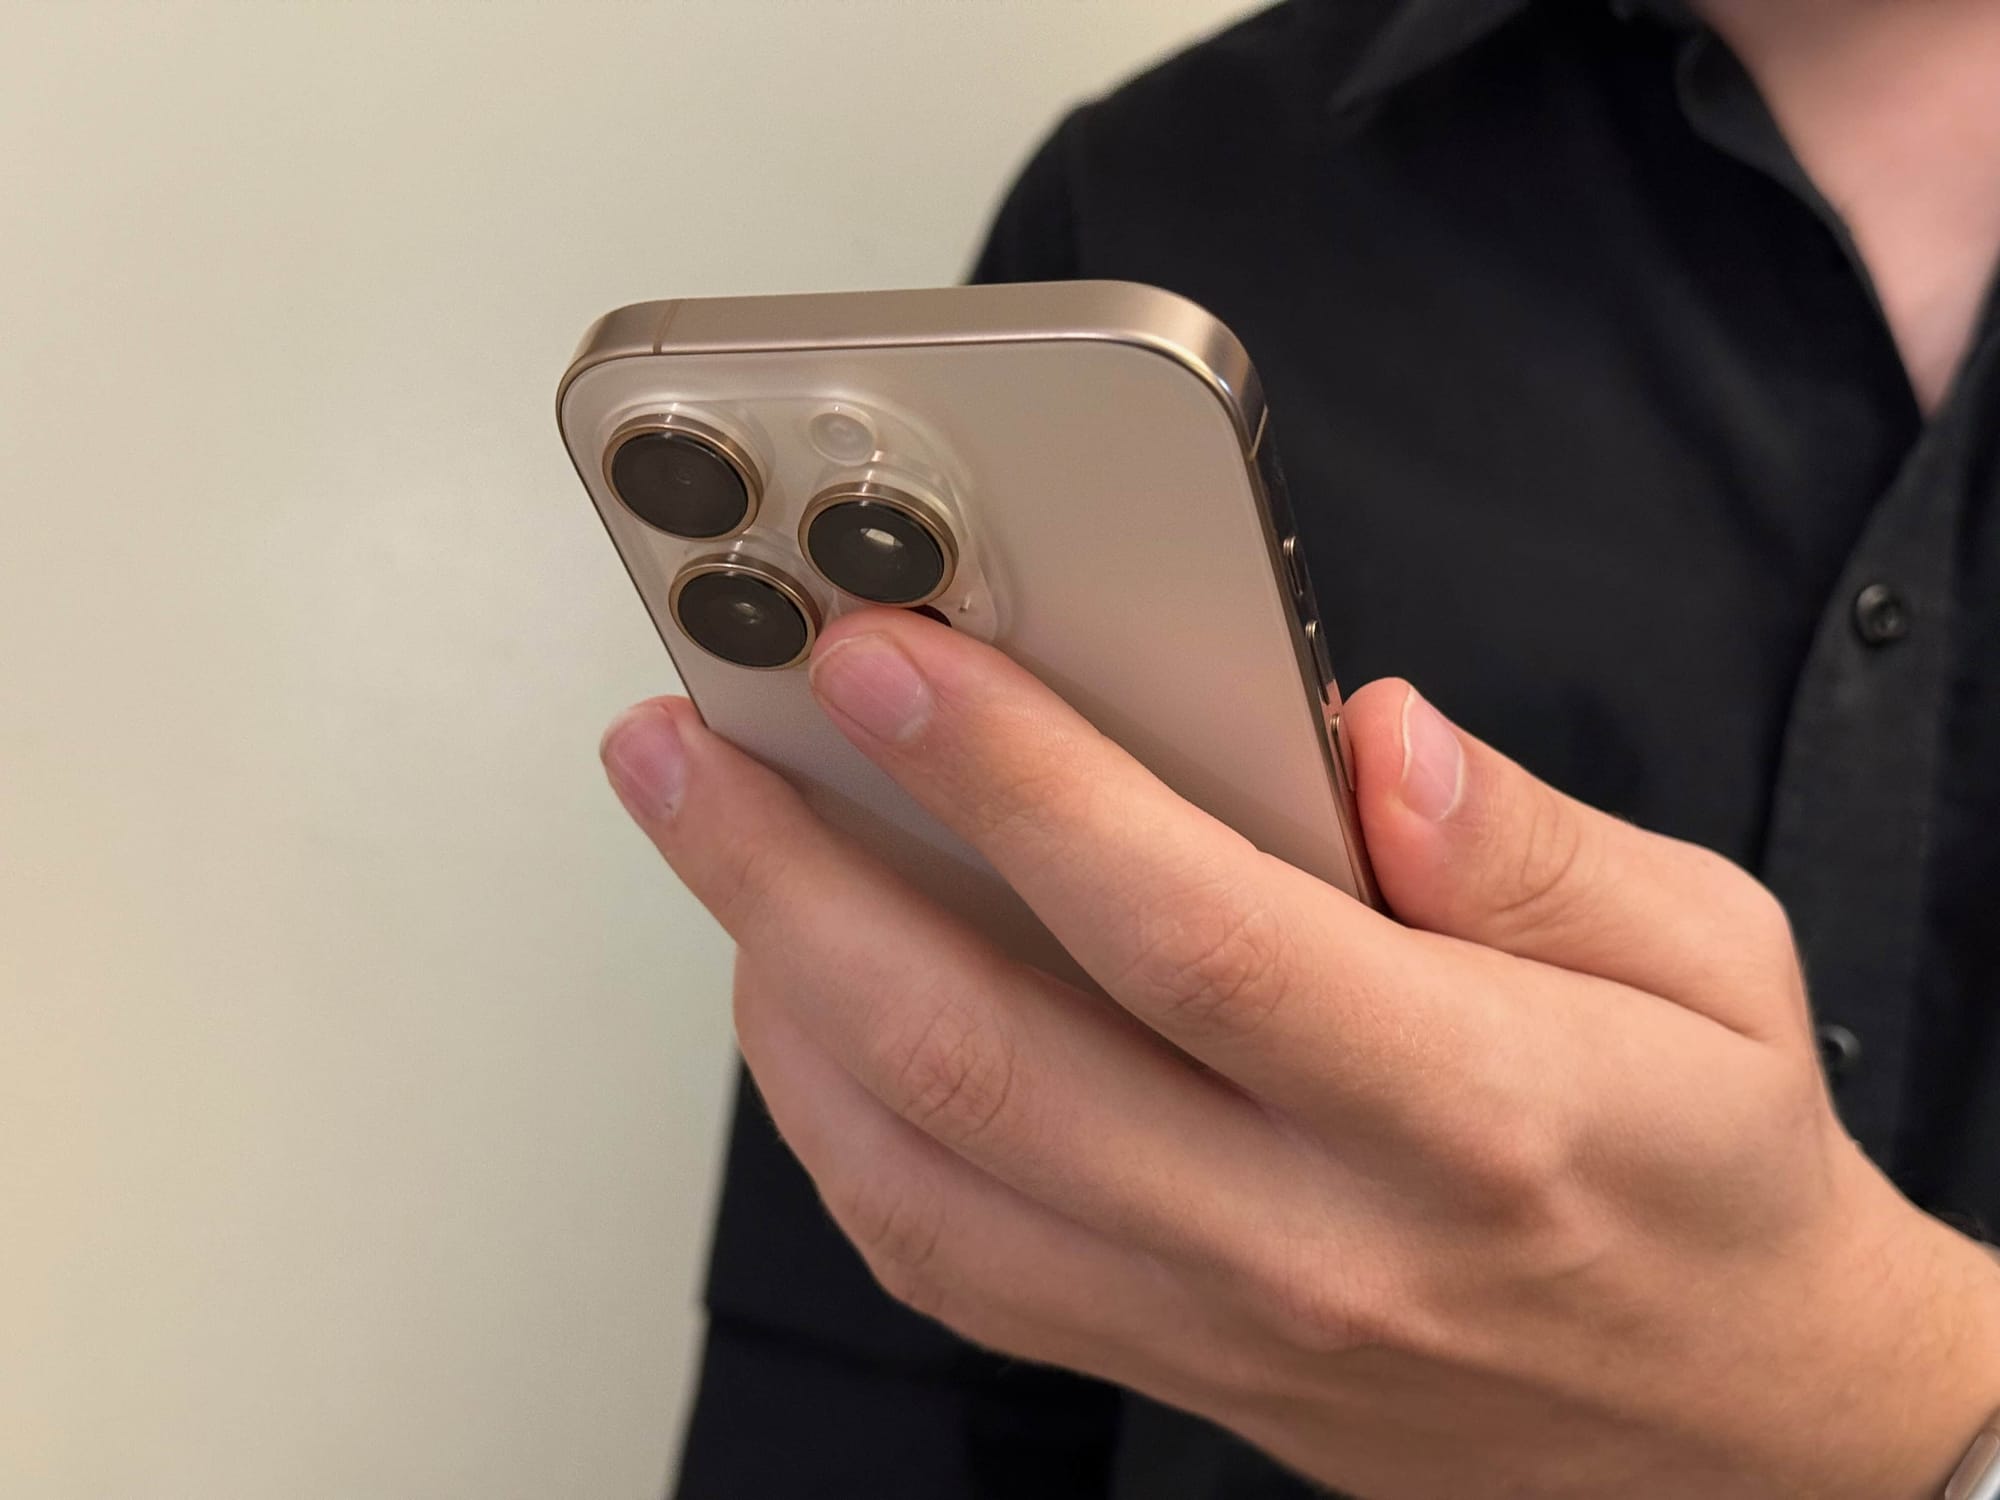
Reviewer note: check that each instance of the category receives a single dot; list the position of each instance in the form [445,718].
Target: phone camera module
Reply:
[842,434]
[745,613]
[683,477]
[879,544]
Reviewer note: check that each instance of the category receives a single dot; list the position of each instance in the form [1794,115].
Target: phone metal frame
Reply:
[1144,317]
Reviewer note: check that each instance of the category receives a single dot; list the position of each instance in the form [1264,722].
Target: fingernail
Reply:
[1433,760]
[868,679]
[646,761]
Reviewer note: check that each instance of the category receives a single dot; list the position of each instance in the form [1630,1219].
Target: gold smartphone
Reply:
[1079,473]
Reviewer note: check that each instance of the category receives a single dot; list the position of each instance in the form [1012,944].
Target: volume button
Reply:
[1295,573]
[1322,658]
[1339,737]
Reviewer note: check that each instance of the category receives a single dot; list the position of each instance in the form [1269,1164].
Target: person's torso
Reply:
[1596,433]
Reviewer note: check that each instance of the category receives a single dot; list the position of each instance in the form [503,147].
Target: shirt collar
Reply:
[1414,36]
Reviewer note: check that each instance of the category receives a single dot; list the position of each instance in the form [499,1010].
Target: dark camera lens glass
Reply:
[680,484]
[743,618]
[876,551]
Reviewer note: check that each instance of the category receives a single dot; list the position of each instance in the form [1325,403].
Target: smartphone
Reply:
[1078,473]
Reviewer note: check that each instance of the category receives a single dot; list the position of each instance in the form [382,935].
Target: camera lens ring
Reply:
[760,573]
[712,441]
[926,516]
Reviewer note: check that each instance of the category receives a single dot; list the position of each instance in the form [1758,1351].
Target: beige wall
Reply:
[361,1073]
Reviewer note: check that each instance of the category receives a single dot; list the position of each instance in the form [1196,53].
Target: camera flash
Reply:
[842,435]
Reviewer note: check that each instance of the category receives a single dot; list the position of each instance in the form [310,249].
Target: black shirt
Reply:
[1595,431]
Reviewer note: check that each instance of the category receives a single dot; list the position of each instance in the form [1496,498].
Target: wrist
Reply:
[1949,1398]
[1891,1360]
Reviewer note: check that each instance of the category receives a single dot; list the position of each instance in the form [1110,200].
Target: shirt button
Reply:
[1880,616]
[1839,1051]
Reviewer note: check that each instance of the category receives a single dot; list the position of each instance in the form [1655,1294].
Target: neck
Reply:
[1892,108]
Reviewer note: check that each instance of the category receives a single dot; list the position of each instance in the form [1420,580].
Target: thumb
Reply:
[1466,843]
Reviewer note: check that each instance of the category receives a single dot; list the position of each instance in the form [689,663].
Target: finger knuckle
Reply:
[955,1077]
[1309,1305]
[1319,1317]
[1766,923]
[748,884]
[911,1284]
[1210,966]
[1553,869]
[899,1234]
[1510,1177]
[1759,930]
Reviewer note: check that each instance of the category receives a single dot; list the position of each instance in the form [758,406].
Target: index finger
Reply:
[1263,972]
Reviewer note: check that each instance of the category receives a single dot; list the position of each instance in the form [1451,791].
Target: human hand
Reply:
[1538,1195]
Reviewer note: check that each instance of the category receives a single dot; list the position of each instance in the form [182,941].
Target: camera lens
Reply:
[685,479]
[878,544]
[746,614]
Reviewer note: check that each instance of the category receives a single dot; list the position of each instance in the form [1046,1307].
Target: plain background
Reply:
[362,1073]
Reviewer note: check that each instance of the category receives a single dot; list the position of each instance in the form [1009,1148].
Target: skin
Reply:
[1536,1193]
[1893,109]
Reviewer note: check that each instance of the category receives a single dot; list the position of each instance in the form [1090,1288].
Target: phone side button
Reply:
[1295,574]
[1338,736]
[1322,661]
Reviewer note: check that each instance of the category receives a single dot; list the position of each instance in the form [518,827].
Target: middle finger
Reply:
[1050,1089]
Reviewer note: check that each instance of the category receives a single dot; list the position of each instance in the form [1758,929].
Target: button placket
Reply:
[1852,806]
